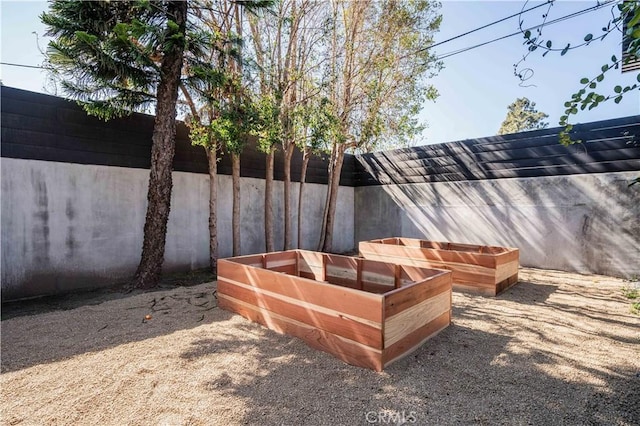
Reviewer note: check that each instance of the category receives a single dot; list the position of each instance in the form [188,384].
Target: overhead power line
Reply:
[554,21]
[21,65]
[465,49]
[486,26]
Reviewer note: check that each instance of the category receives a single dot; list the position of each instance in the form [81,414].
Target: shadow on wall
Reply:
[580,223]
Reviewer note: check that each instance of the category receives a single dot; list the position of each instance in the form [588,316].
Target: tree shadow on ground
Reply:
[461,376]
[98,321]
[118,290]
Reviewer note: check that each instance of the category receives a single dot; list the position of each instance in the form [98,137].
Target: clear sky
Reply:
[475,86]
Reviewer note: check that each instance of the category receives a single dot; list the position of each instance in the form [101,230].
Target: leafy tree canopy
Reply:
[522,116]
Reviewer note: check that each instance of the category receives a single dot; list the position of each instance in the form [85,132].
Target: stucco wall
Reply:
[68,226]
[583,223]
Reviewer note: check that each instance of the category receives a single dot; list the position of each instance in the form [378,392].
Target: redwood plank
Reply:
[474,289]
[414,340]
[343,282]
[374,287]
[285,269]
[505,284]
[507,256]
[398,300]
[277,259]
[349,301]
[348,351]
[428,254]
[398,326]
[330,321]
[413,273]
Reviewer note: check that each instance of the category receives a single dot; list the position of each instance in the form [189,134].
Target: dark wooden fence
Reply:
[43,127]
[607,146]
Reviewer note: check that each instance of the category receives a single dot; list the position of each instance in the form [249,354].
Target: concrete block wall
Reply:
[68,226]
[586,223]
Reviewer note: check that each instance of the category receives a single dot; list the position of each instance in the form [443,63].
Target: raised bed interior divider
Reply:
[365,312]
[487,270]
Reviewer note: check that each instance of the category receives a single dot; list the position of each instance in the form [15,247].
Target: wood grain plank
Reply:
[344,349]
[368,250]
[414,340]
[285,269]
[376,288]
[322,318]
[413,273]
[398,326]
[252,259]
[282,258]
[506,270]
[341,269]
[312,264]
[507,283]
[401,299]
[463,273]
[510,255]
[346,300]
[474,289]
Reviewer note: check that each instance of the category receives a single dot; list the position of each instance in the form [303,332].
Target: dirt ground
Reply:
[555,349]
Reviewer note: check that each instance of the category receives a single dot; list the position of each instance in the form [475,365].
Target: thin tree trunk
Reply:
[235,219]
[212,157]
[288,154]
[325,213]
[333,198]
[268,201]
[162,153]
[303,177]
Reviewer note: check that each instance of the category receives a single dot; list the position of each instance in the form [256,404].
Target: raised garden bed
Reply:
[486,270]
[364,312]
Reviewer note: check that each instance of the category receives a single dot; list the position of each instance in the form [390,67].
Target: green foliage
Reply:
[522,116]
[106,54]
[633,293]
[200,134]
[267,126]
[388,94]
[319,124]
[102,53]
[590,95]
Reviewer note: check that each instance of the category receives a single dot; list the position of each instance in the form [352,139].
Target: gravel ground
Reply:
[557,348]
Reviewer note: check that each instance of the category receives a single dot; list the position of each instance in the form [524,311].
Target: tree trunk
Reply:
[235,220]
[325,212]
[303,176]
[212,157]
[333,198]
[288,154]
[162,153]
[268,201]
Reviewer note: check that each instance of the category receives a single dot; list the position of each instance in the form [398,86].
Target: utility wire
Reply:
[555,21]
[485,26]
[465,49]
[21,65]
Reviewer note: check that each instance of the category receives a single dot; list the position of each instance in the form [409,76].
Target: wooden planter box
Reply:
[479,269]
[364,312]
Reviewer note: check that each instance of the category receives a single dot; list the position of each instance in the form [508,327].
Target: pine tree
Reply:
[118,57]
